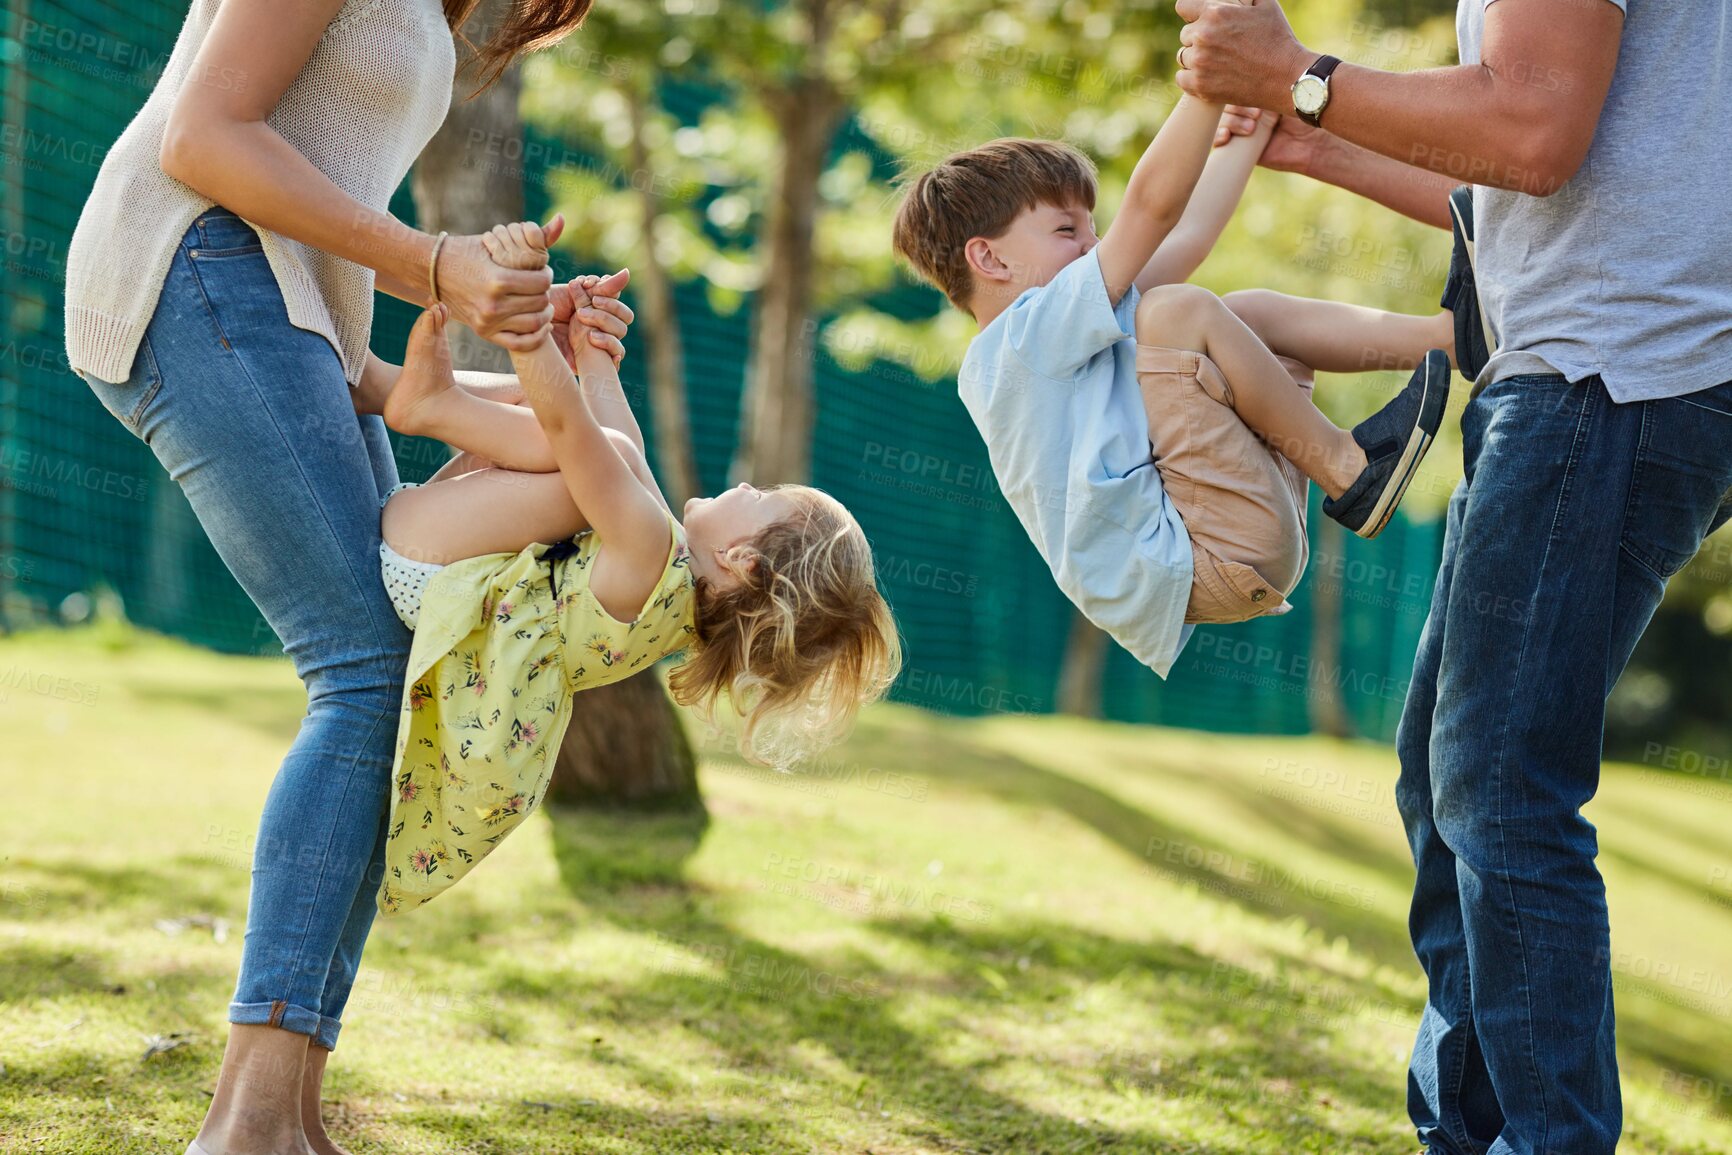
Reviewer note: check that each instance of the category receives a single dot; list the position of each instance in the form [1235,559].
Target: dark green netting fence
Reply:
[84,504]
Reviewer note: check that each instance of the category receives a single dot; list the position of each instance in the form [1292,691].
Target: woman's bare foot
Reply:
[426,379]
[312,1080]
[255,1109]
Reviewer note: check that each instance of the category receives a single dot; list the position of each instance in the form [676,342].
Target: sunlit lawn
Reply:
[1013,934]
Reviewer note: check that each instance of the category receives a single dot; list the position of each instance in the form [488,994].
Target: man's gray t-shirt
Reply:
[1626,271]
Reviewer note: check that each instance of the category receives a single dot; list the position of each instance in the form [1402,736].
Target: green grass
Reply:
[1012,934]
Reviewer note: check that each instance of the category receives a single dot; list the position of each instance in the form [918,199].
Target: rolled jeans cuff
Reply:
[290,1017]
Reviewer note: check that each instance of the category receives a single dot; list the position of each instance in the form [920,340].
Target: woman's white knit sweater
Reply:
[374,91]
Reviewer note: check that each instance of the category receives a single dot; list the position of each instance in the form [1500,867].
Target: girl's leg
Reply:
[491,510]
[253,419]
[1335,337]
[1187,317]
[484,511]
[427,402]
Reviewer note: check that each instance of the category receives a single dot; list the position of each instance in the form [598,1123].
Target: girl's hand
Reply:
[508,306]
[588,309]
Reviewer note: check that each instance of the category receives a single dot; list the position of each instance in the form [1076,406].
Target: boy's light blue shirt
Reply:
[1051,383]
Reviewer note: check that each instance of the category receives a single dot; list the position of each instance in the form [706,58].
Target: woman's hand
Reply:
[506,306]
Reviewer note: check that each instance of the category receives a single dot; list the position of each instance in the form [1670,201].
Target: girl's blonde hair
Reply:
[801,642]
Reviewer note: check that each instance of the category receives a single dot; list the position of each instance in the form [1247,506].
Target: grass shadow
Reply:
[1215,866]
[758,1002]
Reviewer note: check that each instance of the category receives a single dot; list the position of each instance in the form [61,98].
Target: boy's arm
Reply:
[1211,206]
[1159,189]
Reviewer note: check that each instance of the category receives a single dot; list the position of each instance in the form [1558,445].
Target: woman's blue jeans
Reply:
[1573,513]
[253,418]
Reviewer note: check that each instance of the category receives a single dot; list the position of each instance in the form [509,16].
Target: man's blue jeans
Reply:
[253,419]
[1573,513]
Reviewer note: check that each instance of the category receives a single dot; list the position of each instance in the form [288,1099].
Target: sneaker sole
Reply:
[1418,444]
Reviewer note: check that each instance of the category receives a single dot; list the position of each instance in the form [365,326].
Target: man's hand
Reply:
[1240,53]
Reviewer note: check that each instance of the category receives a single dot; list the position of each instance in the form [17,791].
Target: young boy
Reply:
[1152,446]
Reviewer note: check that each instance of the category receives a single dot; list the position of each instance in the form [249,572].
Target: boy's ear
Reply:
[981,258]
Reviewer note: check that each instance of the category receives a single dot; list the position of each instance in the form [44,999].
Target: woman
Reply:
[231,350]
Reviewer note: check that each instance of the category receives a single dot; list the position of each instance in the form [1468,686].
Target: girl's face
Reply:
[733,516]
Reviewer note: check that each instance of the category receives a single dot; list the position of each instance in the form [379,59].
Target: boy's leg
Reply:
[1243,504]
[1335,337]
[427,402]
[1261,392]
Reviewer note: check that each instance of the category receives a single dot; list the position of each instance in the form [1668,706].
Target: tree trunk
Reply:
[776,427]
[624,743]
[1327,713]
[661,324]
[1079,679]
[464,193]
[626,747]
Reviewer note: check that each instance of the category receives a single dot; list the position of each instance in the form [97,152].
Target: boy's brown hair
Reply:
[978,193]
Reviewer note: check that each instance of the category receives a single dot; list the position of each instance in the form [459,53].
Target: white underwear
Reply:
[405,579]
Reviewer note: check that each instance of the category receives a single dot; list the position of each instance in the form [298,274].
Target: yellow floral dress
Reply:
[502,643]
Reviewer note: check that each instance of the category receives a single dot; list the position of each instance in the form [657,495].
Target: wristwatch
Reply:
[1311,91]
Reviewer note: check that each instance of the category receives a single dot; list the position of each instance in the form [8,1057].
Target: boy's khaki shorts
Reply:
[1243,504]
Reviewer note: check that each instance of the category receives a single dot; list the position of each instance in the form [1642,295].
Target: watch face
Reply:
[1309,94]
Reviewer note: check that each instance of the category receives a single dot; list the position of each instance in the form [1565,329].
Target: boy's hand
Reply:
[1291,148]
[1240,120]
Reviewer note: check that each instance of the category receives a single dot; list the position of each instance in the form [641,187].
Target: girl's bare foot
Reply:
[426,378]
[369,396]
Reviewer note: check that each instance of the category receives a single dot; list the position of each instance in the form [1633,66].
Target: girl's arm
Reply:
[597,367]
[1211,206]
[631,524]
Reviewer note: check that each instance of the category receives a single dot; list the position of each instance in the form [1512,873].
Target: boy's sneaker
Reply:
[1395,439]
[1473,341]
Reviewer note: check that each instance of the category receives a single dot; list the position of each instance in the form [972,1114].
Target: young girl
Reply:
[771,590]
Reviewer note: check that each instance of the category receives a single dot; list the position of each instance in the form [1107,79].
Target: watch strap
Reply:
[1320,68]
[1323,66]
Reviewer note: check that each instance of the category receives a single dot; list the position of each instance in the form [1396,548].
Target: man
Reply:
[1598,454]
